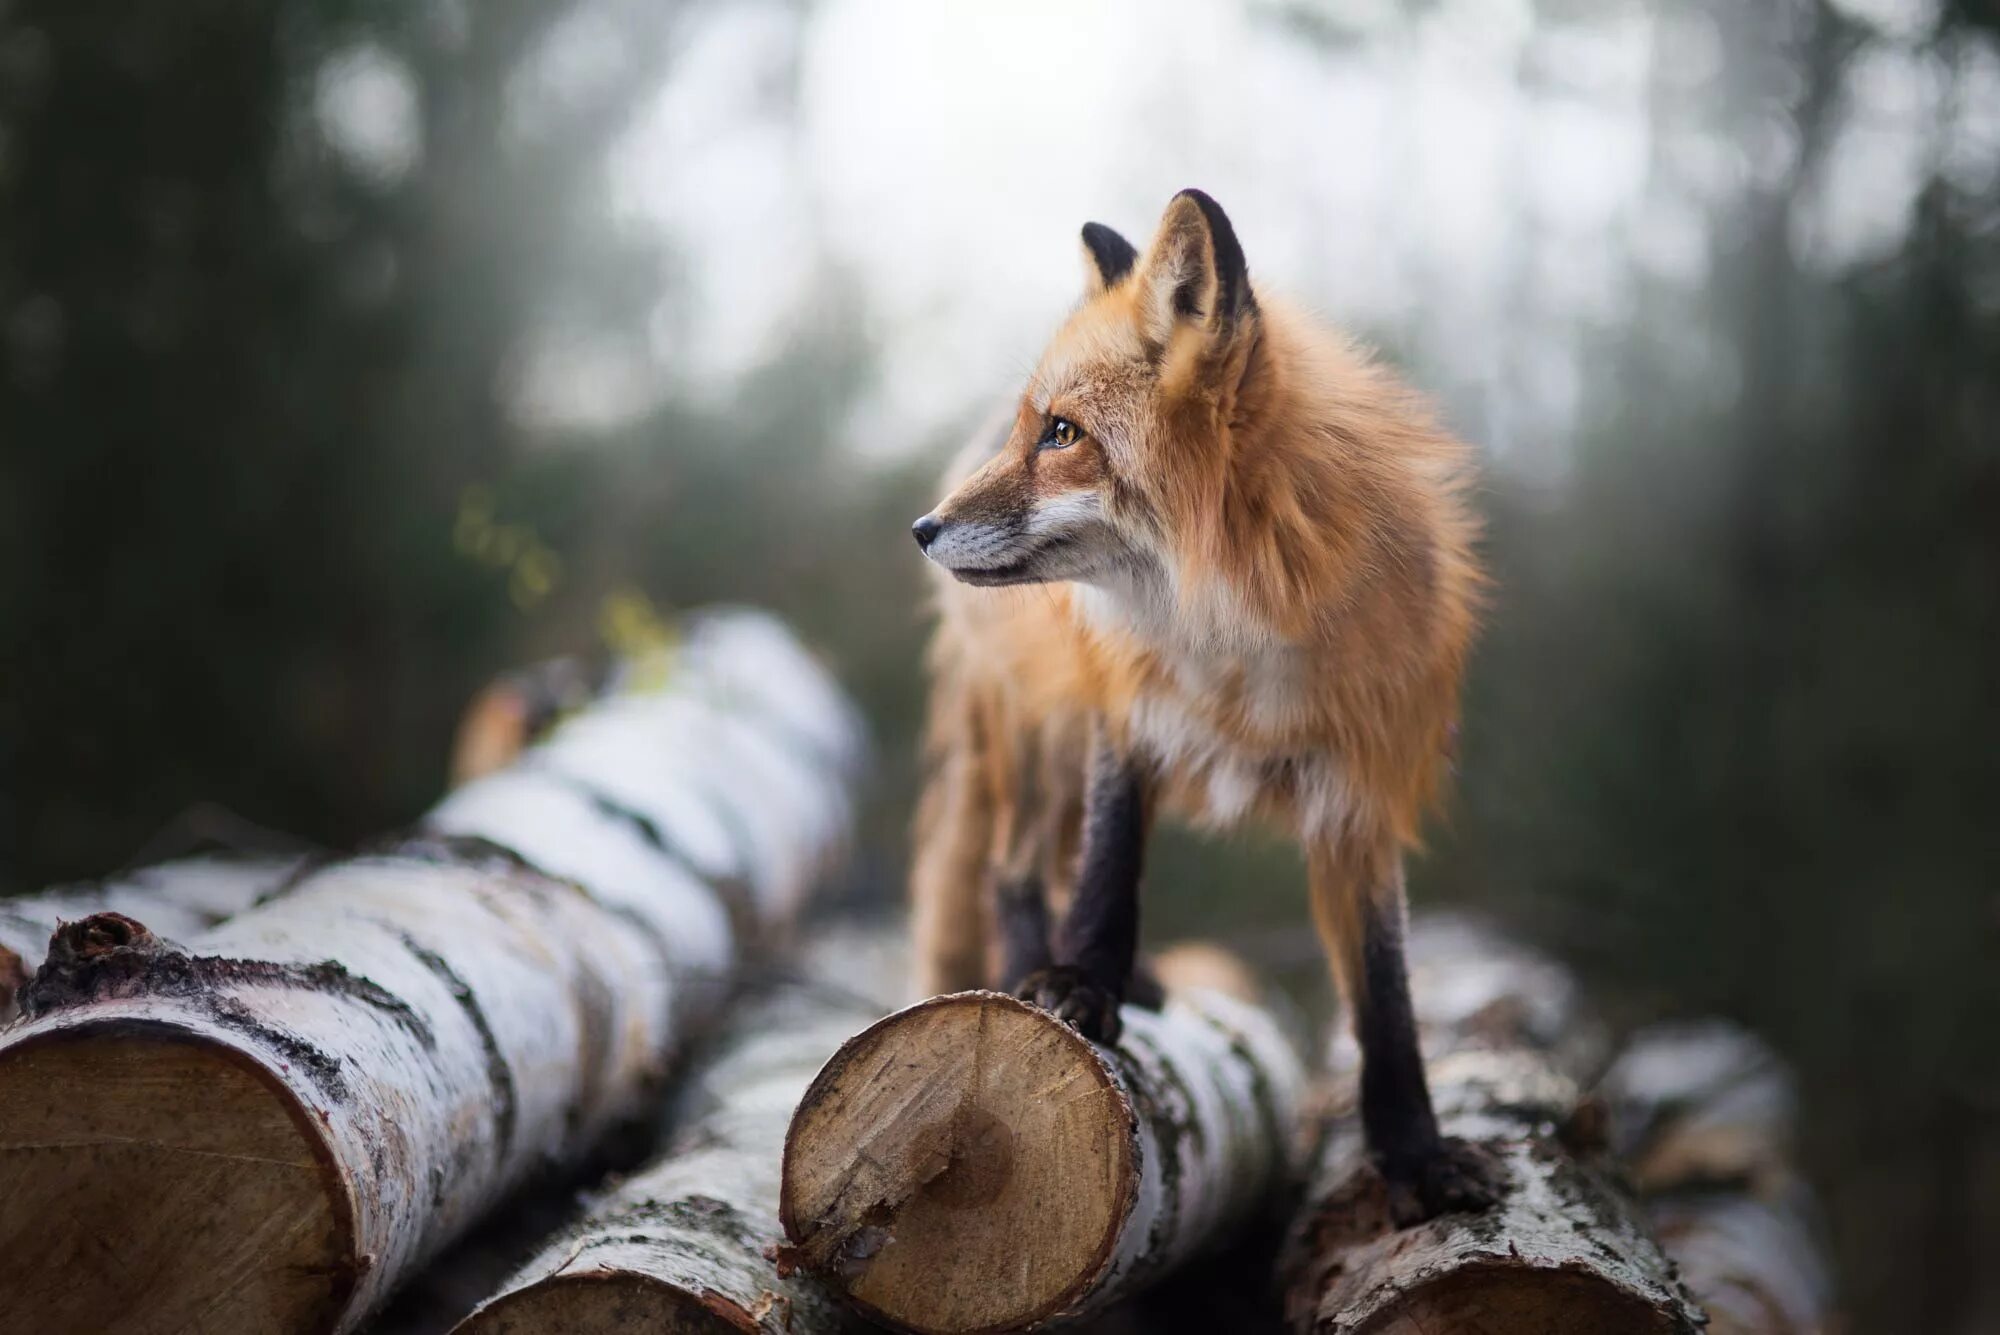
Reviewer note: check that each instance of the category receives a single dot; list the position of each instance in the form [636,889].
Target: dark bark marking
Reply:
[108,956]
[318,1065]
[596,1007]
[498,1073]
[732,890]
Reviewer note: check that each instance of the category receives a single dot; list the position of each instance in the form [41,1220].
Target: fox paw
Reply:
[1458,1176]
[1078,1000]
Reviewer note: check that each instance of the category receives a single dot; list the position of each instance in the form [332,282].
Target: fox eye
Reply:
[1061,434]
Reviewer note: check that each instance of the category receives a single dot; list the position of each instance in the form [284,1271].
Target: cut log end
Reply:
[1547,1302]
[610,1302]
[964,1165]
[208,1174]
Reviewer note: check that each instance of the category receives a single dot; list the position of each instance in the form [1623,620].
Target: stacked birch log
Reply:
[352,1061]
[267,1129]
[971,1164]
[958,1122]
[681,1245]
[1630,1203]
[1702,1118]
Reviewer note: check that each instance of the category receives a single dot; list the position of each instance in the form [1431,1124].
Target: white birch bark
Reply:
[1703,1118]
[176,899]
[970,1163]
[684,1239]
[267,1130]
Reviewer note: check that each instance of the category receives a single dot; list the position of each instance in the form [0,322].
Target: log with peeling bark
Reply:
[1565,1251]
[681,1245]
[735,770]
[176,899]
[1702,1117]
[268,1128]
[189,895]
[972,1164]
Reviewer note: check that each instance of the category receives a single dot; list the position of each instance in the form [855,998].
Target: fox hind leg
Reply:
[1360,910]
[1023,914]
[948,875]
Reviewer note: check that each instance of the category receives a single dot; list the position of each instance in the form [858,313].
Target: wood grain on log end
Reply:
[609,1302]
[1552,1302]
[203,1173]
[964,1165]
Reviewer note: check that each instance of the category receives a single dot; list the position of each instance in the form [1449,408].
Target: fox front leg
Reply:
[1099,941]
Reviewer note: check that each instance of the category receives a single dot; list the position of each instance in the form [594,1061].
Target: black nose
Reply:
[926,530]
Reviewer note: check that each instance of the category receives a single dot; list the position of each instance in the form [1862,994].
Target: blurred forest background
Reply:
[353,350]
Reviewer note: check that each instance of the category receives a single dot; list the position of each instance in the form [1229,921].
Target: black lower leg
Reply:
[1024,929]
[1099,941]
[1100,936]
[1427,1174]
[1395,1099]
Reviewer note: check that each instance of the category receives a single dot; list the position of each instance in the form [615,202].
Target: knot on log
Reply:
[102,956]
[444,849]
[100,935]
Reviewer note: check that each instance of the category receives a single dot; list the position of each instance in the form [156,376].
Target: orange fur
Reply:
[1255,569]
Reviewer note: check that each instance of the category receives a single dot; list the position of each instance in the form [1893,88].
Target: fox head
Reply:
[1123,418]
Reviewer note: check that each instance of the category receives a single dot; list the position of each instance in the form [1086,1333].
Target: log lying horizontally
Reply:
[176,899]
[681,1245]
[1702,1118]
[267,1130]
[971,1164]
[1566,1252]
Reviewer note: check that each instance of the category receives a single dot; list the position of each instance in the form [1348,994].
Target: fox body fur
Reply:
[1216,561]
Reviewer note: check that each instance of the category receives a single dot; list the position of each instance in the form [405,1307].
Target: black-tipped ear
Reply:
[1232,274]
[1194,273]
[1108,257]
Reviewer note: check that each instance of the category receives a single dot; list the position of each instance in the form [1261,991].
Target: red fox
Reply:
[1221,563]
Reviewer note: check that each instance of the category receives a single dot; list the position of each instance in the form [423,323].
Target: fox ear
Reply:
[1194,271]
[1107,257]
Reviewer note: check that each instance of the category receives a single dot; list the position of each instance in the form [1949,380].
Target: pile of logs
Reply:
[264,1095]
[269,1127]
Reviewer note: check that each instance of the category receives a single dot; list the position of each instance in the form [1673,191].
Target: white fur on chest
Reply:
[1208,643]
[1227,778]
